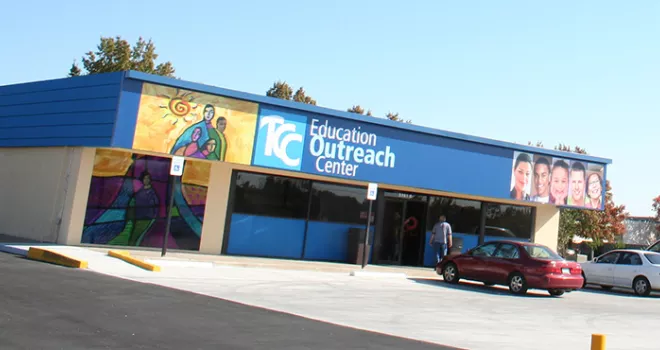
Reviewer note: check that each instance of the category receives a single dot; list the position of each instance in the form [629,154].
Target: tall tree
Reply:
[284,91]
[359,110]
[116,54]
[395,117]
[656,209]
[597,225]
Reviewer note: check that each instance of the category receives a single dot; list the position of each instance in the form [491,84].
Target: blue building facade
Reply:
[274,178]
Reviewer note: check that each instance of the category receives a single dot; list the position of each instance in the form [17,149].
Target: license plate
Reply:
[566,271]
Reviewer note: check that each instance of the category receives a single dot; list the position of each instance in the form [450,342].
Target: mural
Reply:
[128,200]
[193,124]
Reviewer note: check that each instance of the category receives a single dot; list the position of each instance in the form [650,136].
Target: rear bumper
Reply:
[555,281]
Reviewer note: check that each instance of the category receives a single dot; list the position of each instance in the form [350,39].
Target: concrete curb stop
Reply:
[53,257]
[126,256]
[373,274]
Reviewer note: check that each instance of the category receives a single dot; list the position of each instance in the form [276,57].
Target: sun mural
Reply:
[196,125]
[128,199]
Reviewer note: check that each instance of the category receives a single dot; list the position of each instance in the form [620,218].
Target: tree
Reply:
[116,54]
[395,117]
[282,90]
[596,225]
[359,110]
[656,209]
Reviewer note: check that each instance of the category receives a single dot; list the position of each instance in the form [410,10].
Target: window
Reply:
[513,221]
[609,258]
[463,215]
[653,258]
[655,247]
[542,252]
[338,203]
[630,259]
[485,250]
[507,251]
[269,195]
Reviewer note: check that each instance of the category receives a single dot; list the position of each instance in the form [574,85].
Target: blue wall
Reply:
[266,236]
[63,112]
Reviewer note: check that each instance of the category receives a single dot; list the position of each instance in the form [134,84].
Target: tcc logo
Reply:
[280,140]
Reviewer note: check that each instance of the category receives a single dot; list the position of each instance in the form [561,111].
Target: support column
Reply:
[546,226]
[78,180]
[217,197]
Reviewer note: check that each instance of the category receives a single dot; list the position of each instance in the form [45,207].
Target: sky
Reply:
[582,73]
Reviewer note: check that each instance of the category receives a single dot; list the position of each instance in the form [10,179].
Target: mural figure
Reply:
[128,200]
[202,139]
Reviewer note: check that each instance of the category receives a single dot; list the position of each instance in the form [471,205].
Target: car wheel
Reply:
[584,279]
[642,286]
[517,284]
[450,273]
[556,292]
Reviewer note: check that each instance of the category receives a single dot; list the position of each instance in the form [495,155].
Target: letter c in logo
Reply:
[275,143]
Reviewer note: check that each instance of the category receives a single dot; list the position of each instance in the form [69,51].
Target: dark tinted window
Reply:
[338,203]
[507,251]
[653,258]
[271,195]
[509,221]
[630,259]
[463,215]
[609,258]
[485,250]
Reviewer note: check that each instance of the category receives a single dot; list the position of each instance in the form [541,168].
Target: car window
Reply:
[653,258]
[507,251]
[542,252]
[629,259]
[609,258]
[485,250]
[655,247]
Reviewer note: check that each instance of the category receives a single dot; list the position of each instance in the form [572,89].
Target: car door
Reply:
[502,263]
[626,268]
[476,262]
[602,271]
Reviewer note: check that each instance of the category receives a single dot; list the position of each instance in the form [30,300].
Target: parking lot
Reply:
[467,315]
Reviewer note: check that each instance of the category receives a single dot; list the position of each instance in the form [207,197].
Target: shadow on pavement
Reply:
[476,287]
[621,292]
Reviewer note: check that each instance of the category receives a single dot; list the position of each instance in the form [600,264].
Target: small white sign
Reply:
[176,169]
[372,191]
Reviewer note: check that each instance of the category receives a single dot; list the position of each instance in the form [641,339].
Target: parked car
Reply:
[518,265]
[655,247]
[625,268]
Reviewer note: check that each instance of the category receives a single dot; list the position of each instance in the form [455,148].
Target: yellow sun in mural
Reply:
[179,106]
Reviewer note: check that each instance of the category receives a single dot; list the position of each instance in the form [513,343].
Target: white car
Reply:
[625,268]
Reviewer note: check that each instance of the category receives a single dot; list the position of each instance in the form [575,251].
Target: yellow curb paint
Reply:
[56,258]
[598,342]
[126,256]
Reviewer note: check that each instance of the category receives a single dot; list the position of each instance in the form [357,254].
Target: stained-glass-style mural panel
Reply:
[128,200]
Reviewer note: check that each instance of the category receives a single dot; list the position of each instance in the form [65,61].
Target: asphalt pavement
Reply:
[43,306]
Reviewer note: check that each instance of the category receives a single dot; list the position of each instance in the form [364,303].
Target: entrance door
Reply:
[403,230]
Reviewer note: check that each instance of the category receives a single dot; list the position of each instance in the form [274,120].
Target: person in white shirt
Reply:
[541,180]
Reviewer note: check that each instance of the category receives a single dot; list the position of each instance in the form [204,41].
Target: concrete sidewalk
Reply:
[198,260]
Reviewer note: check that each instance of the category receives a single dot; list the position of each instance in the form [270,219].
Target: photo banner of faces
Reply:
[559,181]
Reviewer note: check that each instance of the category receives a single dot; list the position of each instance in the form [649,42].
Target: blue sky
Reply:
[576,72]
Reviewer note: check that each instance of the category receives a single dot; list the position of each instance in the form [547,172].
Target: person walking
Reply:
[441,238]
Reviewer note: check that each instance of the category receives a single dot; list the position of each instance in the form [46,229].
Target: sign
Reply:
[372,191]
[176,169]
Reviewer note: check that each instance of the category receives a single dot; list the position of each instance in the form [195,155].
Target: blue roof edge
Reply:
[178,83]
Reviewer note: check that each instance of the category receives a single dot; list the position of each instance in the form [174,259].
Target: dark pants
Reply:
[440,250]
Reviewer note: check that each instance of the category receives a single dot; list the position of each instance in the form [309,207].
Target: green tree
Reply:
[395,117]
[284,91]
[116,54]
[359,110]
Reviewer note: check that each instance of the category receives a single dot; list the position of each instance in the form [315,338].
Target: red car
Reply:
[519,265]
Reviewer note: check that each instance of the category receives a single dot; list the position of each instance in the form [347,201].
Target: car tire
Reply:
[517,284]
[450,273]
[556,292]
[584,278]
[641,286]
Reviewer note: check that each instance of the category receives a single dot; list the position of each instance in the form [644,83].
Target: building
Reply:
[87,162]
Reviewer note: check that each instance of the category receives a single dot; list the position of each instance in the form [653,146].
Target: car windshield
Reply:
[653,258]
[655,247]
[541,252]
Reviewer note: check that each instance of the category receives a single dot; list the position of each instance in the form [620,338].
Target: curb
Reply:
[360,273]
[13,250]
[53,257]
[180,263]
[126,256]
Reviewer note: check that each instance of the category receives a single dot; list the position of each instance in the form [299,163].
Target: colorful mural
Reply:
[193,124]
[128,200]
